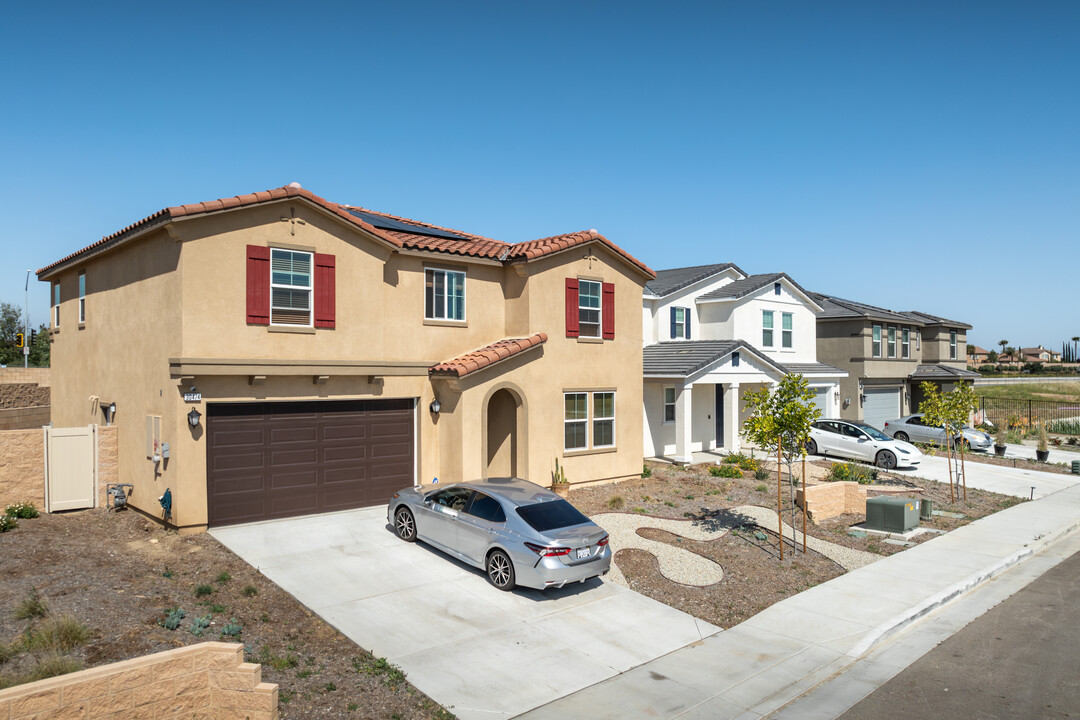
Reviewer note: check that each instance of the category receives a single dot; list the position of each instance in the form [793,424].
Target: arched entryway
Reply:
[503,436]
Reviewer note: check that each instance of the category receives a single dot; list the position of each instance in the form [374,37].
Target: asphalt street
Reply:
[1017,661]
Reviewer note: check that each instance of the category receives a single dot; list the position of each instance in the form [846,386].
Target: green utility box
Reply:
[892,514]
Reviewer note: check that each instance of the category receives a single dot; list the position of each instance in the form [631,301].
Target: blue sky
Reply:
[916,155]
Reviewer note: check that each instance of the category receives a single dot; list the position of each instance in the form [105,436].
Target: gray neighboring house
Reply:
[888,355]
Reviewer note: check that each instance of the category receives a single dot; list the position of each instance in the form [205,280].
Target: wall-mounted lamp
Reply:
[112,413]
[435,406]
[193,418]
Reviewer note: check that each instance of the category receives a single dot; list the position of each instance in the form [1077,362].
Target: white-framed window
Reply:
[766,328]
[603,435]
[679,317]
[577,417]
[290,287]
[892,341]
[786,330]
[444,294]
[669,404]
[589,308]
[82,297]
[876,344]
[56,304]
[952,344]
[905,343]
[575,421]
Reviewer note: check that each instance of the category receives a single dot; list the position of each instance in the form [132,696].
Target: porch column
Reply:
[682,423]
[732,426]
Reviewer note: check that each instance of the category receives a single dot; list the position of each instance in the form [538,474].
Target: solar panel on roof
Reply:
[385,223]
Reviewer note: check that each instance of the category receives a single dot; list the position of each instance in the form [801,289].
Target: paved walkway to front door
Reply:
[478,651]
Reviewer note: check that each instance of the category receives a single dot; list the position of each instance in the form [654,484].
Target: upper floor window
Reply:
[892,342]
[905,343]
[876,344]
[786,320]
[680,323]
[290,287]
[444,294]
[82,297]
[952,344]
[589,308]
[766,328]
[56,304]
[918,340]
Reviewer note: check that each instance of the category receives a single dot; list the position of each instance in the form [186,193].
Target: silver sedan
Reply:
[912,428]
[517,532]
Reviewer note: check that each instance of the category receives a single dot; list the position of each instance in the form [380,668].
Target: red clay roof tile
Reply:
[471,246]
[486,356]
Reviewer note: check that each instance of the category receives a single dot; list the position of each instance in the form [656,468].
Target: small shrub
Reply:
[761,488]
[223,577]
[748,464]
[688,497]
[734,459]
[839,472]
[7,652]
[616,502]
[58,634]
[231,629]
[32,606]
[303,674]
[250,591]
[669,503]
[167,573]
[7,522]
[23,511]
[330,687]
[203,590]
[639,510]
[725,471]
[199,624]
[646,471]
[352,707]
[173,618]
[762,474]
[277,662]
[52,665]
[216,608]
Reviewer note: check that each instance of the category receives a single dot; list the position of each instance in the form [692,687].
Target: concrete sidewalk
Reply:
[787,650]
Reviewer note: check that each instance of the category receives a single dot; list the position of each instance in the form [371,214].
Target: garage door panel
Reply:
[271,460]
[880,405]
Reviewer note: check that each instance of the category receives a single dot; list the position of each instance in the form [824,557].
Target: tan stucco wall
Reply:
[184,296]
[205,680]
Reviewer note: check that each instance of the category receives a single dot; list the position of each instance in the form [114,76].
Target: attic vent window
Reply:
[734,359]
[776,288]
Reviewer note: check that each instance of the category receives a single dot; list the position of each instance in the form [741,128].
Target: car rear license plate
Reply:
[583,553]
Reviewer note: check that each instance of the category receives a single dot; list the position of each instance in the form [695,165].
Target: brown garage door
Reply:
[273,460]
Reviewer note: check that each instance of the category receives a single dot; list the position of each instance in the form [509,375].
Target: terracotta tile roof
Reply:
[440,240]
[486,356]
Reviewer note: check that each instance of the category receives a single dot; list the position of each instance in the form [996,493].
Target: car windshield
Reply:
[544,516]
[872,431]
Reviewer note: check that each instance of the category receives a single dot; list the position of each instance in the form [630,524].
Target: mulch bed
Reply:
[754,577]
[119,574]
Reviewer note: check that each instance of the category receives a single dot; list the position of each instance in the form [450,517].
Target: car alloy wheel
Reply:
[901,436]
[811,447]
[886,459]
[500,570]
[405,525]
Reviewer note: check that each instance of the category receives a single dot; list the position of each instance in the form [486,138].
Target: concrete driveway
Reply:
[995,478]
[478,651]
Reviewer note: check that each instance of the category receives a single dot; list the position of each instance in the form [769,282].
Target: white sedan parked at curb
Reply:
[860,441]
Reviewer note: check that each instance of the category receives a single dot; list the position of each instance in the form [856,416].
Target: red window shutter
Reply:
[324,291]
[258,285]
[572,327]
[607,311]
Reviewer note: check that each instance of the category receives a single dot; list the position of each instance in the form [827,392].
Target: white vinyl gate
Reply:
[881,405]
[70,468]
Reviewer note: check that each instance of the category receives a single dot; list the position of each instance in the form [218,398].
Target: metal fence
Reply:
[1061,417]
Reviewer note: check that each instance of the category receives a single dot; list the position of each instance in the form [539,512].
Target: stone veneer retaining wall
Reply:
[831,499]
[17,375]
[204,681]
[22,466]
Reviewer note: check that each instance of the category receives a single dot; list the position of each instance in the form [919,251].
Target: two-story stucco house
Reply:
[888,355]
[277,354]
[712,333]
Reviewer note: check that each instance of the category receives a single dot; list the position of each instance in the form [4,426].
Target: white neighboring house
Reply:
[711,334]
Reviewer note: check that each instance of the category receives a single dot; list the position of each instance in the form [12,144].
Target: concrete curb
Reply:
[899,622]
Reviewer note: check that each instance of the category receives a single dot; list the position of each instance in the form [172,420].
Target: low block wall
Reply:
[18,375]
[831,499]
[25,418]
[22,466]
[207,680]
